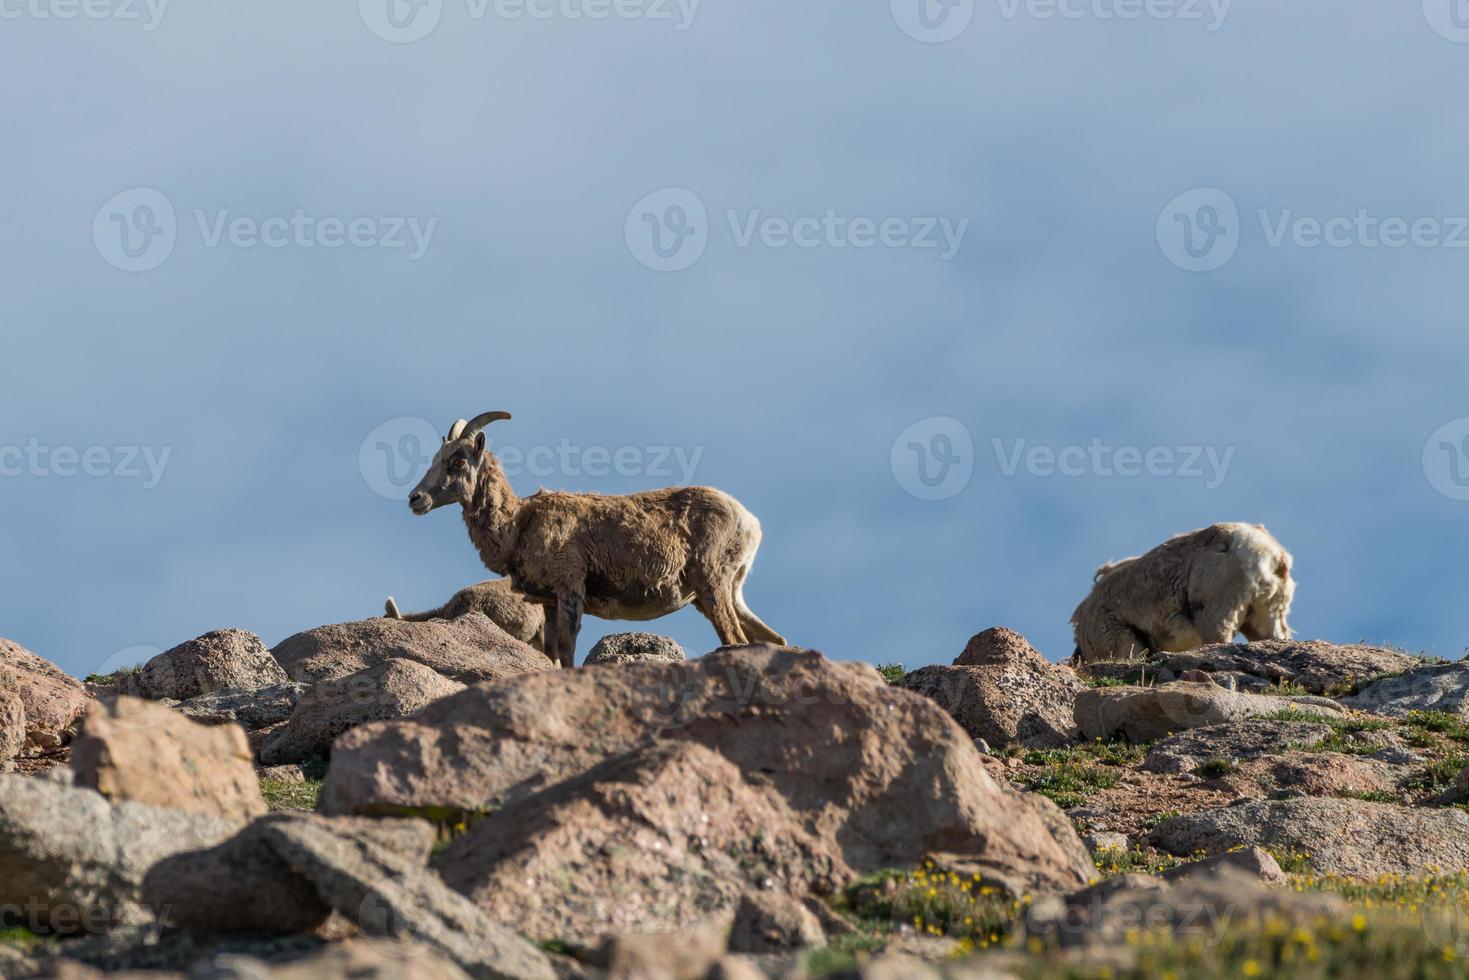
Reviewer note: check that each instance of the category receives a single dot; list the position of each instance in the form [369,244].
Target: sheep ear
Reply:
[479,441]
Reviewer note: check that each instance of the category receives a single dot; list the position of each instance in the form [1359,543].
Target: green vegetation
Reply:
[892,673]
[22,938]
[285,794]
[1215,768]
[1116,861]
[1116,753]
[1069,783]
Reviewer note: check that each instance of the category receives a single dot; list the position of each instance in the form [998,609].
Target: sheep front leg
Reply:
[562,627]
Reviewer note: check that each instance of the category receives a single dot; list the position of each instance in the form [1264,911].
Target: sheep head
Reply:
[455,470]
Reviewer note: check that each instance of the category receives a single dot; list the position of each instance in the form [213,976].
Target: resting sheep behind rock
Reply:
[507,609]
[1196,588]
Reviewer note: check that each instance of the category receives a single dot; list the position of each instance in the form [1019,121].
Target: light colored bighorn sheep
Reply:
[1196,588]
[506,608]
[635,557]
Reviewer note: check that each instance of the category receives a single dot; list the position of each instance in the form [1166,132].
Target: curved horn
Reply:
[456,430]
[482,420]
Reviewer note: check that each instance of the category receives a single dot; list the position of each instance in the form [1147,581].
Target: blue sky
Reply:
[1074,150]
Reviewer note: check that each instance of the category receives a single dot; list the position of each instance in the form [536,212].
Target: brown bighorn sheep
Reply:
[1196,588]
[506,608]
[637,557]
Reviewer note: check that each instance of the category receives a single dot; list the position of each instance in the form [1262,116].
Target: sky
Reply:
[961,298]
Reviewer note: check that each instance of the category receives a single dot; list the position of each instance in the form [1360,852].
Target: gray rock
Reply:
[1318,666]
[1145,714]
[1253,861]
[243,885]
[1250,739]
[626,648]
[469,649]
[75,861]
[1441,687]
[1345,837]
[12,727]
[392,689]
[250,709]
[387,895]
[213,662]
[770,922]
[1105,841]
[1001,690]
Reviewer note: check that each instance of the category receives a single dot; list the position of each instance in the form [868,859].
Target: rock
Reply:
[215,661]
[294,774]
[685,955]
[392,689]
[1106,841]
[1202,900]
[771,922]
[1318,774]
[135,750]
[388,895]
[468,649]
[1145,714]
[12,727]
[53,701]
[1252,861]
[624,648]
[1003,691]
[1319,667]
[243,885]
[75,861]
[1344,837]
[1248,739]
[510,610]
[135,954]
[355,959]
[819,770]
[1441,687]
[251,710]
[734,967]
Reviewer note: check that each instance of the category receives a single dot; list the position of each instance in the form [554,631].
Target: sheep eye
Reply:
[458,464]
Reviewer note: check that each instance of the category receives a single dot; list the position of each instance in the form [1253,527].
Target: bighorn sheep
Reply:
[1196,588]
[496,599]
[635,557]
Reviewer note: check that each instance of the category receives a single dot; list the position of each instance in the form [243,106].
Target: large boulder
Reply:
[212,662]
[1344,837]
[1318,666]
[1441,687]
[12,727]
[243,885]
[468,649]
[625,648]
[1145,714]
[74,862]
[393,689]
[53,700]
[136,750]
[1237,741]
[810,771]
[251,710]
[1001,689]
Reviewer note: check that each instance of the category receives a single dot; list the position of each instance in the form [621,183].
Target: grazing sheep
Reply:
[1196,588]
[496,599]
[636,557]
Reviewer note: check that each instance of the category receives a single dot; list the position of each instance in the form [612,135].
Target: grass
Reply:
[1117,861]
[1439,775]
[1117,753]
[1069,783]
[892,673]
[1215,768]
[22,938]
[282,794]
[1439,722]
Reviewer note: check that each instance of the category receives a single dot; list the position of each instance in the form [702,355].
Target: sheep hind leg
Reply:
[720,611]
[1218,624]
[755,630]
[566,617]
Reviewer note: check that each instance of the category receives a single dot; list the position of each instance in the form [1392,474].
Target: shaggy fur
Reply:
[635,557]
[1197,588]
[496,599]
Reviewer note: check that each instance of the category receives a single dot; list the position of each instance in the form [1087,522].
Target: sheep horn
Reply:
[455,431]
[480,421]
